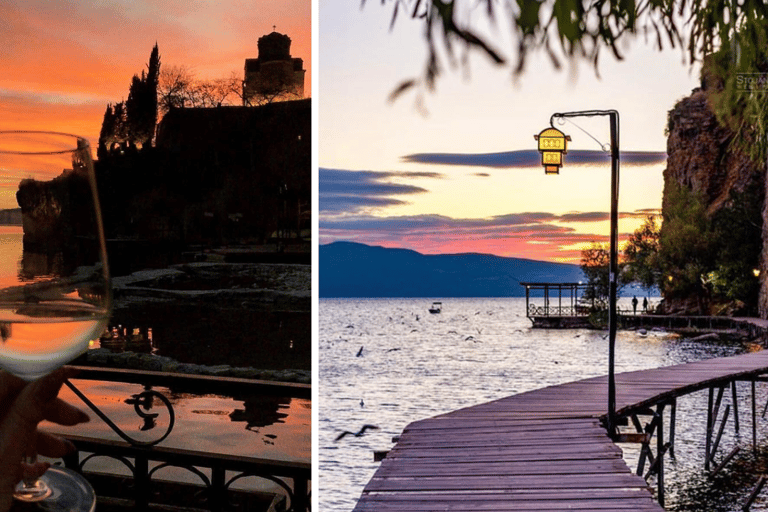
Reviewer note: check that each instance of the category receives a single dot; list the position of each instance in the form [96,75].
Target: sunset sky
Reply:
[64,61]
[459,172]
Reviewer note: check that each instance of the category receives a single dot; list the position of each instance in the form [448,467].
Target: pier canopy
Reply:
[556,304]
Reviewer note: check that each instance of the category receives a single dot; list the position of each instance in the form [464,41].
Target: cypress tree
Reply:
[106,136]
[141,105]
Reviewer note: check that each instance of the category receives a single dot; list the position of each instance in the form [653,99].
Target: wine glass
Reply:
[55,294]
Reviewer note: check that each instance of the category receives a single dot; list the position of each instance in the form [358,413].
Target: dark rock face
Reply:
[701,157]
[699,154]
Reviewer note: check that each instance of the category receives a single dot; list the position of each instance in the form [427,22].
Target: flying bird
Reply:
[359,433]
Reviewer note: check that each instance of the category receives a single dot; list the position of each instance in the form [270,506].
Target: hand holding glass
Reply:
[54,286]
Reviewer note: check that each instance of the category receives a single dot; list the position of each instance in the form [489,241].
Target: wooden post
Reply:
[754,419]
[672,421]
[527,301]
[735,406]
[709,428]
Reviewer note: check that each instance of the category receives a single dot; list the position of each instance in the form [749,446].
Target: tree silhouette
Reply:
[132,122]
[141,105]
[178,87]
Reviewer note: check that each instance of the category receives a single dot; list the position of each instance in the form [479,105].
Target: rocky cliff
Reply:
[702,158]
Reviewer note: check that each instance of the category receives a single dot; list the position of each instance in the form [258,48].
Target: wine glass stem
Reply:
[31,489]
[30,459]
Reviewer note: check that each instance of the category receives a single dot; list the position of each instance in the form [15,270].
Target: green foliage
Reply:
[595,262]
[641,256]
[740,87]
[686,244]
[737,230]
[711,258]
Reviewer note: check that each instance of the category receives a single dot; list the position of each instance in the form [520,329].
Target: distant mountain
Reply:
[350,269]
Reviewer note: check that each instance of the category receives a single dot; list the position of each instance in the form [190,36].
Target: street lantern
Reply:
[553,144]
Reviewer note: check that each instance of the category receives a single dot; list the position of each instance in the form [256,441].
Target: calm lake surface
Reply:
[388,362]
[272,427]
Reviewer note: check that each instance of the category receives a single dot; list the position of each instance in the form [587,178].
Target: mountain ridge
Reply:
[351,269]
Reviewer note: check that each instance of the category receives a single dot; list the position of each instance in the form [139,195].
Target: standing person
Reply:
[634,304]
[645,304]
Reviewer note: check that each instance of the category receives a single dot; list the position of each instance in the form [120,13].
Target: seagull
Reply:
[359,433]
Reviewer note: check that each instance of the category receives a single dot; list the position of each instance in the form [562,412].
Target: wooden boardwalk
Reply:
[544,450]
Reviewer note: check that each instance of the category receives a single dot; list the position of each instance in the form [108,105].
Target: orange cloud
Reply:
[63,62]
[31,113]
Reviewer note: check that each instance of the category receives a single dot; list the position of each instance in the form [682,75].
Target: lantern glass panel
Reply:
[552,158]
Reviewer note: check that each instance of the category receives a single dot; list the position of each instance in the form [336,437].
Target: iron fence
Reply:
[146,461]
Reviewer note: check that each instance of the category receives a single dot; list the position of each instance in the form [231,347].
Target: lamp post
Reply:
[552,145]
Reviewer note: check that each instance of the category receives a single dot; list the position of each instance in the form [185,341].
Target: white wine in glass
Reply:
[55,294]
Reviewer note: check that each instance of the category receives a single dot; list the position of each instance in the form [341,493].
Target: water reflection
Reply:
[119,338]
[215,335]
[257,426]
[261,411]
[254,335]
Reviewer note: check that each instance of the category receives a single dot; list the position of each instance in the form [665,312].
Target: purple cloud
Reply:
[532,158]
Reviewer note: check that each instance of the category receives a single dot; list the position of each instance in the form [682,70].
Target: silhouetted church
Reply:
[247,168]
[219,175]
[274,75]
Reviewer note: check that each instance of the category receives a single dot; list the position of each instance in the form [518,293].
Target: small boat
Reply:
[436,307]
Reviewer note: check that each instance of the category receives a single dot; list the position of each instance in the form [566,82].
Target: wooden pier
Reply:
[547,450]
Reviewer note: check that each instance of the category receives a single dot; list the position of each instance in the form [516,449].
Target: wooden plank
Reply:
[548,467]
[503,451]
[448,483]
[469,505]
[508,457]
[502,439]
[543,506]
[515,495]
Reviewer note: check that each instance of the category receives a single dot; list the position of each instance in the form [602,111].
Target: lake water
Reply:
[270,427]
[388,362]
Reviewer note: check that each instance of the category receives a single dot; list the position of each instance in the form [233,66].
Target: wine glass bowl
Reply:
[55,293]
[55,296]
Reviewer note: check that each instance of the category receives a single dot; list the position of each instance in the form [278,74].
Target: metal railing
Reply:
[217,473]
[537,311]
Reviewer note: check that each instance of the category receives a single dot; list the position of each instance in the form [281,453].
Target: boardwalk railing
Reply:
[217,473]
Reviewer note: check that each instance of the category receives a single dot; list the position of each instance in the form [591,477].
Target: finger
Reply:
[53,446]
[33,401]
[63,413]
[10,385]
[20,423]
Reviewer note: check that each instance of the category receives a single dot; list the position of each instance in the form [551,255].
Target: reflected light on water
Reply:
[269,427]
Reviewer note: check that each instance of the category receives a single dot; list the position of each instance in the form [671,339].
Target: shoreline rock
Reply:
[144,361]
